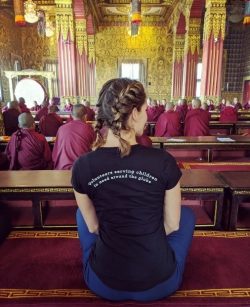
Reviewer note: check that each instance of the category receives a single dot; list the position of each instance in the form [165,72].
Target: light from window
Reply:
[130,70]
[198,80]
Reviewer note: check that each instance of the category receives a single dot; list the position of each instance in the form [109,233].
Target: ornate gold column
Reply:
[91,58]
[213,41]
[66,49]
[177,74]
[191,56]
[81,49]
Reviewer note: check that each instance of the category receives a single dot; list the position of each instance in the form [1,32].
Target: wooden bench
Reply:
[38,186]
[239,192]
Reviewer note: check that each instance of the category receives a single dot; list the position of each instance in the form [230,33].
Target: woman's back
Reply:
[128,196]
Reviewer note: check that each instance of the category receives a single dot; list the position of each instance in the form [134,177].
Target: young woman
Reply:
[134,234]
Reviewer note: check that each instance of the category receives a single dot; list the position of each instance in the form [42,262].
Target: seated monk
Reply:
[50,123]
[169,123]
[144,140]
[43,111]
[10,117]
[228,114]
[153,111]
[182,108]
[68,106]
[28,149]
[36,107]
[237,105]
[221,104]
[22,105]
[247,105]
[197,120]
[90,115]
[2,130]
[73,139]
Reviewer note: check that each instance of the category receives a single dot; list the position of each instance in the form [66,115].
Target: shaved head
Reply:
[196,103]
[25,120]
[13,104]
[169,106]
[79,111]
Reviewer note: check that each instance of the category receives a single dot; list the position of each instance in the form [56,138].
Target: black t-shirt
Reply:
[131,252]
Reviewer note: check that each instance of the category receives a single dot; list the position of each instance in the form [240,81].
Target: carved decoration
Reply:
[64,19]
[91,48]
[215,19]
[192,37]
[81,35]
[152,44]
[179,41]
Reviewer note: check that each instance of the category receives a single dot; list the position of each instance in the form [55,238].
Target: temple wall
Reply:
[37,50]
[113,45]
[10,50]
[24,45]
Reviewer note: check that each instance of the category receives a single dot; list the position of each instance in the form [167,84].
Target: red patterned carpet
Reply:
[44,268]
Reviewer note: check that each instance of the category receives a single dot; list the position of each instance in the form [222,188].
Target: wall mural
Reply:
[152,44]
[10,42]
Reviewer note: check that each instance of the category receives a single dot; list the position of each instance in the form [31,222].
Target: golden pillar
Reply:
[213,41]
[66,49]
[191,57]
[177,75]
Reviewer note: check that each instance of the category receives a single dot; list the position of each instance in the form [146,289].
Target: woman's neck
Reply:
[113,141]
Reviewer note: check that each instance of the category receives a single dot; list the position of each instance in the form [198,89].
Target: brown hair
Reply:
[116,101]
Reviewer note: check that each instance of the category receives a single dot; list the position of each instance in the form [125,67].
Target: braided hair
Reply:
[116,101]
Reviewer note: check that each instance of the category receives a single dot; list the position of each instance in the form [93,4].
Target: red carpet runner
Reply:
[44,268]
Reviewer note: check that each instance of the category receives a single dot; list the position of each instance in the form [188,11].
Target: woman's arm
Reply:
[88,212]
[172,209]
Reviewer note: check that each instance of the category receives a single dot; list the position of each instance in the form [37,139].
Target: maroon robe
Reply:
[211,107]
[43,111]
[168,124]
[73,140]
[196,123]
[238,106]
[36,108]
[49,124]
[28,150]
[23,107]
[90,115]
[182,110]
[247,105]
[153,113]
[228,114]
[68,108]
[144,140]
[10,119]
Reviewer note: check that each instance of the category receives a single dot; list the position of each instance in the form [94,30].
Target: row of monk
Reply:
[29,150]
[169,118]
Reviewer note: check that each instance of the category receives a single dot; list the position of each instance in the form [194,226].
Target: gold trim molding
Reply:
[202,190]
[36,190]
[192,37]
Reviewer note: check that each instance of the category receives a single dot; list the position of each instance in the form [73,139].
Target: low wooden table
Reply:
[39,186]
[36,186]
[204,185]
[208,143]
[239,185]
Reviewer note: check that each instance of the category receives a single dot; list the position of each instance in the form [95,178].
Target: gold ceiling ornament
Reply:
[30,14]
[81,35]
[215,19]
[192,36]
[135,17]
[91,48]
[19,13]
[179,41]
[64,19]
